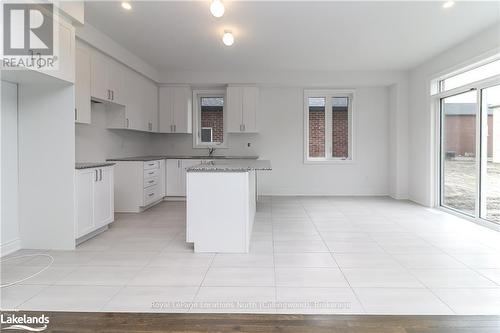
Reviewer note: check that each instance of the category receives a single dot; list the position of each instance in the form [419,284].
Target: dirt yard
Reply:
[460,187]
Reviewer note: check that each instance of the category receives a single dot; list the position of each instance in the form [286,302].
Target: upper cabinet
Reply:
[107,79]
[241,108]
[141,104]
[82,86]
[175,109]
[131,99]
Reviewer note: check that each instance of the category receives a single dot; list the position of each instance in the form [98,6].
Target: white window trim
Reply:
[329,94]
[197,119]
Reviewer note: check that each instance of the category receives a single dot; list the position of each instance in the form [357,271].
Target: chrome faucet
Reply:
[211,151]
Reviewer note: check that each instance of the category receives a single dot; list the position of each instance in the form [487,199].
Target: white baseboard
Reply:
[9,247]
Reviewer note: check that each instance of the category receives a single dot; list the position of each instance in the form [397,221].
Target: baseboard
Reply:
[9,247]
[322,195]
[174,199]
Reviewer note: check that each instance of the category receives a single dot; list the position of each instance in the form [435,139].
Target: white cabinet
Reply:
[103,197]
[175,109]
[141,105]
[173,176]
[241,108]
[138,185]
[107,79]
[66,56]
[82,86]
[176,176]
[94,199]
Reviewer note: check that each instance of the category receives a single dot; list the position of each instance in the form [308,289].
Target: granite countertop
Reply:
[90,165]
[240,165]
[192,157]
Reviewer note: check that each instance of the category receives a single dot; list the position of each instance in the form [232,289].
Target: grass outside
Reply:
[460,187]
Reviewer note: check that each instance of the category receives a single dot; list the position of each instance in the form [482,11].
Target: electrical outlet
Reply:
[249,144]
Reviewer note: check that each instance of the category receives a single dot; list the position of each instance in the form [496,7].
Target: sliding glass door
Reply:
[459,164]
[470,152]
[490,154]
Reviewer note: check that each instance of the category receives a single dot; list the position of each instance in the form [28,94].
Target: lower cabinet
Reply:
[138,185]
[175,176]
[94,203]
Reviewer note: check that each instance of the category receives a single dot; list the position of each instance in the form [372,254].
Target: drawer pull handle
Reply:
[151,181]
[150,194]
[151,172]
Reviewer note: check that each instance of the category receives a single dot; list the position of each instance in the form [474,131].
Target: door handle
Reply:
[96,175]
[127,122]
[76,114]
[100,174]
[109,94]
[112,95]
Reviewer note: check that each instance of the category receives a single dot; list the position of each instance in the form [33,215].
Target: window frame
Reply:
[197,95]
[328,94]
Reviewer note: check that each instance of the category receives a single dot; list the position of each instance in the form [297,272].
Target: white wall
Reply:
[280,140]
[422,163]
[9,240]
[46,166]
[95,143]
[398,139]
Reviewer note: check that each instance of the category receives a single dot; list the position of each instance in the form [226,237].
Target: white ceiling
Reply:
[300,35]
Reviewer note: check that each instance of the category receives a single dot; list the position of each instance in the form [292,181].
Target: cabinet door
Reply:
[150,103]
[103,197]
[115,82]
[134,117]
[182,117]
[186,164]
[99,77]
[84,205]
[166,110]
[66,70]
[234,96]
[82,86]
[249,109]
[173,185]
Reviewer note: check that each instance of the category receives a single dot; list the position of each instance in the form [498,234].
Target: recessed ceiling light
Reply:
[228,38]
[448,4]
[217,8]
[126,5]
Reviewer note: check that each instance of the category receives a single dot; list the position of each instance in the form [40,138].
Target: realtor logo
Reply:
[28,29]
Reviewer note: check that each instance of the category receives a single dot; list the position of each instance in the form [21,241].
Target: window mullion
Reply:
[328,126]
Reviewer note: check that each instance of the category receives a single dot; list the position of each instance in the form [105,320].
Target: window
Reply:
[465,77]
[468,109]
[209,119]
[328,125]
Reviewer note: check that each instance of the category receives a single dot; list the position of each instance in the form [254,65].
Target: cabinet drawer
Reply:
[151,165]
[151,194]
[151,173]
[151,182]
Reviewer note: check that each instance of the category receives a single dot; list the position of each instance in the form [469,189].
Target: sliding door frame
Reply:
[481,125]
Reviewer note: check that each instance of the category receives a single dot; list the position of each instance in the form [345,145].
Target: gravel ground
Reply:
[460,187]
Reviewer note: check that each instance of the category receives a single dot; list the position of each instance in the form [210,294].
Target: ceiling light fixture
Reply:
[217,8]
[228,38]
[126,5]
[448,4]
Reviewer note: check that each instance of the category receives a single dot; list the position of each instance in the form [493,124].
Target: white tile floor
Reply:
[308,255]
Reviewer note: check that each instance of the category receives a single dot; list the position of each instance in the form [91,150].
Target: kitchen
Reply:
[222,166]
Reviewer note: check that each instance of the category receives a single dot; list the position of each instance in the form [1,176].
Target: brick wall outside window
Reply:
[316,132]
[340,132]
[212,116]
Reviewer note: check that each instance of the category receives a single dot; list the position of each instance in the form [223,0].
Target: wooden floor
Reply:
[137,322]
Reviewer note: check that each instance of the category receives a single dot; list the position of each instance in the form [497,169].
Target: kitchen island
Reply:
[221,204]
